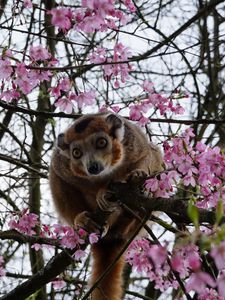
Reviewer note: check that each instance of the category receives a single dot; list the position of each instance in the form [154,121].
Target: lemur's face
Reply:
[94,145]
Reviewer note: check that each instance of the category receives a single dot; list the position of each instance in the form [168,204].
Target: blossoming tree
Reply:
[161,65]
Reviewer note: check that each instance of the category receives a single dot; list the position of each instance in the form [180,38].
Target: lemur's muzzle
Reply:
[95,168]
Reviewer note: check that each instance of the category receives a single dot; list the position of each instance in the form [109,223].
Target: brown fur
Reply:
[116,152]
[75,191]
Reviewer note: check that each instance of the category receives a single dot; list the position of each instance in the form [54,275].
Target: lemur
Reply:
[95,150]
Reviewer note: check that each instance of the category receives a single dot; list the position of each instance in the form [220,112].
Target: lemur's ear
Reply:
[64,147]
[116,125]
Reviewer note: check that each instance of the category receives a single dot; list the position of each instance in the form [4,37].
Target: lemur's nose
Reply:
[95,168]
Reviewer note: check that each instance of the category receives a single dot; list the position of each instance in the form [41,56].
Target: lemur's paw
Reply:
[85,221]
[106,202]
[137,175]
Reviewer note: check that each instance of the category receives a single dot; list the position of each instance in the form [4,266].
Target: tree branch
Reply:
[128,194]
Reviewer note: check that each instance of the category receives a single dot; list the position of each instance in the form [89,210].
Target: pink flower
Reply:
[39,53]
[98,56]
[27,4]
[135,112]
[152,184]
[65,105]
[62,18]
[137,255]
[218,254]
[198,282]
[130,5]
[148,86]
[158,254]
[93,238]
[189,180]
[209,294]
[177,264]
[221,284]
[58,284]
[200,146]
[115,108]
[25,224]
[5,69]
[79,254]
[10,95]
[23,79]
[68,237]
[84,99]
[36,246]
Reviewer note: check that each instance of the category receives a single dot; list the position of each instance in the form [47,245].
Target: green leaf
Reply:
[33,296]
[219,211]
[193,213]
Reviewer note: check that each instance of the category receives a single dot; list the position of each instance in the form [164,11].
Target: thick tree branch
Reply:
[176,209]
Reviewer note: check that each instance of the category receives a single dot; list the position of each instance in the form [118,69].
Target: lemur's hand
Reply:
[105,201]
[137,175]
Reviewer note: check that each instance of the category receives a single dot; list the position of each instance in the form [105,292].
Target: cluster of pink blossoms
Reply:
[20,77]
[197,166]
[117,71]
[159,265]
[154,100]
[66,100]
[93,15]
[27,223]
[24,222]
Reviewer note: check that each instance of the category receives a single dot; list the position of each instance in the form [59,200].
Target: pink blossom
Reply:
[93,238]
[143,121]
[152,184]
[39,53]
[10,95]
[64,85]
[26,223]
[209,294]
[177,264]
[194,261]
[158,254]
[36,246]
[119,72]
[221,284]
[189,180]
[98,56]
[23,80]
[65,105]
[135,112]
[79,254]
[68,237]
[218,254]
[198,282]
[115,108]
[84,99]
[58,284]
[200,146]
[137,255]
[62,18]
[184,258]
[27,4]
[148,86]
[5,69]
[130,5]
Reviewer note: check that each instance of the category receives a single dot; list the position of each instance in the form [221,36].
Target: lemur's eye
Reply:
[101,143]
[77,153]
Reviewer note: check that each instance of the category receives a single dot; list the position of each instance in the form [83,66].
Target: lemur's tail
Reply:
[110,287]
